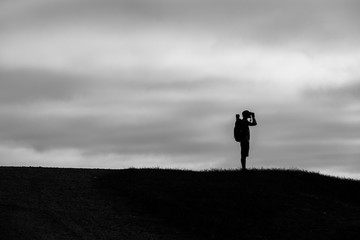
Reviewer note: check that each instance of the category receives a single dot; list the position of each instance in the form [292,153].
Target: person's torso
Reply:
[244,129]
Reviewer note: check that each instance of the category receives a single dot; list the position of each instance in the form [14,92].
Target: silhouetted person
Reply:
[242,133]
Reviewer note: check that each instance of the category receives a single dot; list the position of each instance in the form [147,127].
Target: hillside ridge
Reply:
[60,203]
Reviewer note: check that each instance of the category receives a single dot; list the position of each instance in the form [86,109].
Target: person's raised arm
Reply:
[253,120]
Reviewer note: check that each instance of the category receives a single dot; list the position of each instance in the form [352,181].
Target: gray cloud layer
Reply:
[45,111]
[325,21]
[24,86]
[349,92]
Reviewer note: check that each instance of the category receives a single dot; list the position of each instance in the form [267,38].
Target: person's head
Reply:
[246,114]
[237,116]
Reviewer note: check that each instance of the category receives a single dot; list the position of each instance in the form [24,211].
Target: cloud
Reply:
[20,156]
[46,111]
[344,92]
[101,117]
[275,22]
[27,85]
[341,101]
[307,137]
[182,121]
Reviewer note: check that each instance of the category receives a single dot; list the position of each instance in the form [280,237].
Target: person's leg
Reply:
[244,153]
[243,162]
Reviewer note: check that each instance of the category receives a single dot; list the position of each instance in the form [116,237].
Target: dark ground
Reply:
[55,203]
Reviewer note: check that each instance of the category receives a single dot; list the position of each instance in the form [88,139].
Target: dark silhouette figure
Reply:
[242,133]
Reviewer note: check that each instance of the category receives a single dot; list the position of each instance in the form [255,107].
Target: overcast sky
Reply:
[144,83]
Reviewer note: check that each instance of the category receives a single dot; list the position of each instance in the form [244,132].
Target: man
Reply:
[242,133]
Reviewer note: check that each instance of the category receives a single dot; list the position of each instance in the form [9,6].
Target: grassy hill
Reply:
[54,203]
